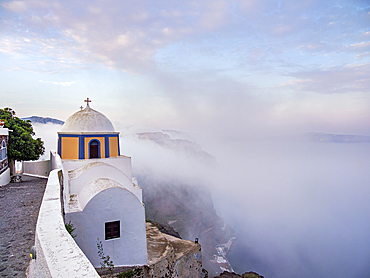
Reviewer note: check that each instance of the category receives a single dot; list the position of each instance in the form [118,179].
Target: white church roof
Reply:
[87,120]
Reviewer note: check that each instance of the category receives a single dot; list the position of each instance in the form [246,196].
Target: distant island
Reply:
[43,120]
[320,138]
[337,138]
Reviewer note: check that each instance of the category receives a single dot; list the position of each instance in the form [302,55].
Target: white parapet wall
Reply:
[57,254]
[5,177]
[39,169]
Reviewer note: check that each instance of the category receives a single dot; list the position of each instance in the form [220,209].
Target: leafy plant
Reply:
[106,262]
[126,274]
[21,144]
[70,229]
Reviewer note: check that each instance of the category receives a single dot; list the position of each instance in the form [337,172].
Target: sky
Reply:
[242,68]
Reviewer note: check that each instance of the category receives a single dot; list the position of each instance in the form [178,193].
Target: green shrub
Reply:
[106,262]
[127,274]
[70,229]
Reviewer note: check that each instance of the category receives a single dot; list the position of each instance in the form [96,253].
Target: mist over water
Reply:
[49,134]
[298,208]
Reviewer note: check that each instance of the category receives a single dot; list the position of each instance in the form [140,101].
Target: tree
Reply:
[21,144]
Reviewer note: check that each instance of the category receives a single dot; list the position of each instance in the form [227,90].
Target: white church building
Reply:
[90,186]
[101,198]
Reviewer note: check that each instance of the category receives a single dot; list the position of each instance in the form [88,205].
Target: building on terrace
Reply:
[102,200]
[91,185]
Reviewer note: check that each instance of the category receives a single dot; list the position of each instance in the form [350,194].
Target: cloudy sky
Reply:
[233,66]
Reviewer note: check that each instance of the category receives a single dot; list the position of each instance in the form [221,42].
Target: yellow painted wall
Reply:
[69,148]
[102,146]
[113,146]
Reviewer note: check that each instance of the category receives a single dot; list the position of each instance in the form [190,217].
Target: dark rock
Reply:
[250,274]
[165,229]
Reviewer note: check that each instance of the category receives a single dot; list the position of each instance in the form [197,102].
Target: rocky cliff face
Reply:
[189,210]
[179,145]
[168,256]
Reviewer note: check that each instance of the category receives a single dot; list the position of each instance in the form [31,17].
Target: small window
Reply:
[112,230]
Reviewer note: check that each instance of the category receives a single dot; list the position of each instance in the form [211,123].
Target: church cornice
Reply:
[88,132]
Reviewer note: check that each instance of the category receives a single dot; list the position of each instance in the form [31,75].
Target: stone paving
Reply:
[19,208]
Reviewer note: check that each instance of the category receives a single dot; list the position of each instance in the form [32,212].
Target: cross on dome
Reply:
[87,101]
[81,107]
[87,120]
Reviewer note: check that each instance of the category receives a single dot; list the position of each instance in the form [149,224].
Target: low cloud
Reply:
[352,78]
[49,134]
[361,45]
[15,6]
[293,204]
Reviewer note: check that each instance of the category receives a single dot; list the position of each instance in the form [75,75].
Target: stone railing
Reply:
[57,254]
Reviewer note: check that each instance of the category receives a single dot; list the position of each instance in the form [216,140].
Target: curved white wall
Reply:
[110,205]
[87,175]
[122,163]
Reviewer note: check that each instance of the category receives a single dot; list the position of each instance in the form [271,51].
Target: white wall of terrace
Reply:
[57,254]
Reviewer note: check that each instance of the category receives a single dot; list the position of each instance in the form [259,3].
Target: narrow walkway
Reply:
[19,207]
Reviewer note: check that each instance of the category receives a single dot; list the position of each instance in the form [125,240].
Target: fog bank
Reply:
[299,209]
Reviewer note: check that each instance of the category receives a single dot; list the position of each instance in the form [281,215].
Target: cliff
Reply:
[168,256]
[187,207]
[179,145]
[189,210]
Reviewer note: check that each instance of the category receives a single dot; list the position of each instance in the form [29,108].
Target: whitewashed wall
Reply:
[5,177]
[57,254]
[110,205]
[92,171]
[123,163]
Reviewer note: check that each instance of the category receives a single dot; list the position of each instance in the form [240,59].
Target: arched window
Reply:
[3,150]
[94,148]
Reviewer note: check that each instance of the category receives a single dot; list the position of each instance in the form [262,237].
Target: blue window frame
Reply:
[94,149]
